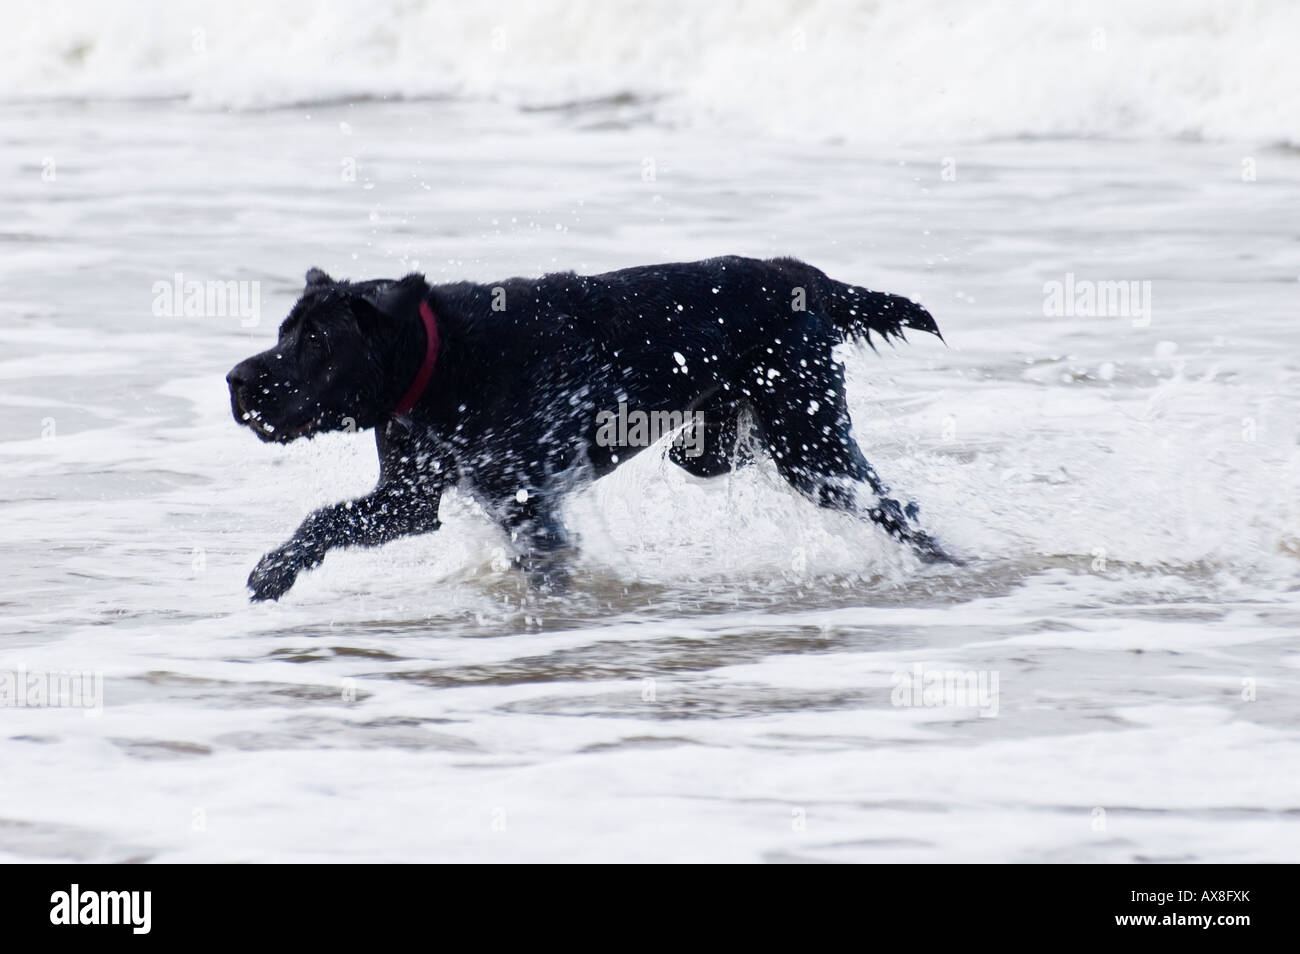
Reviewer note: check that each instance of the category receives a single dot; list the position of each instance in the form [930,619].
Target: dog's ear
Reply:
[394,299]
[316,278]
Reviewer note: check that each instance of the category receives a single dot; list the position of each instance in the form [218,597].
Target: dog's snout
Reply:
[241,375]
[239,379]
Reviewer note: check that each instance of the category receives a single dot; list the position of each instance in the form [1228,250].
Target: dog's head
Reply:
[333,367]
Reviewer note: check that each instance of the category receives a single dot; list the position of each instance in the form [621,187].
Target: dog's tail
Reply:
[854,310]
[857,312]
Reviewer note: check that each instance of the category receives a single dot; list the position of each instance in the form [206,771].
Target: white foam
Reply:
[933,70]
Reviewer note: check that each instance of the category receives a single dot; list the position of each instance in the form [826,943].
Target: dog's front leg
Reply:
[542,544]
[390,511]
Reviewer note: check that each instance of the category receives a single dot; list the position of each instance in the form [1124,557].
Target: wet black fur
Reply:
[525,366]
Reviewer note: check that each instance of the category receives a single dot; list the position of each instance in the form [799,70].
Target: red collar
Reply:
[416,390]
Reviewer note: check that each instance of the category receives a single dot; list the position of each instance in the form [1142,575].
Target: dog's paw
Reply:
[553,580]
[928,549]
[274,575]
[546,573]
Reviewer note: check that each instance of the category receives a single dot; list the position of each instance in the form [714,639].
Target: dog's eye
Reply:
[317,343]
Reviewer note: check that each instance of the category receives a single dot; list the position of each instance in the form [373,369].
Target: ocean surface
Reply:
[732,676]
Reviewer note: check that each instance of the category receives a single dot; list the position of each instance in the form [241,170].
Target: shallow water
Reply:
[720,683]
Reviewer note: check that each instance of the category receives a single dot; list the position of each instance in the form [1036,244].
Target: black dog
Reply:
[500,389]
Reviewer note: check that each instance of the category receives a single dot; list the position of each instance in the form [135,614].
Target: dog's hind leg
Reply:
[804,420]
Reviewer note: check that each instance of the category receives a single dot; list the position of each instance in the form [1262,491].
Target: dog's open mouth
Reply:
[269,432]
